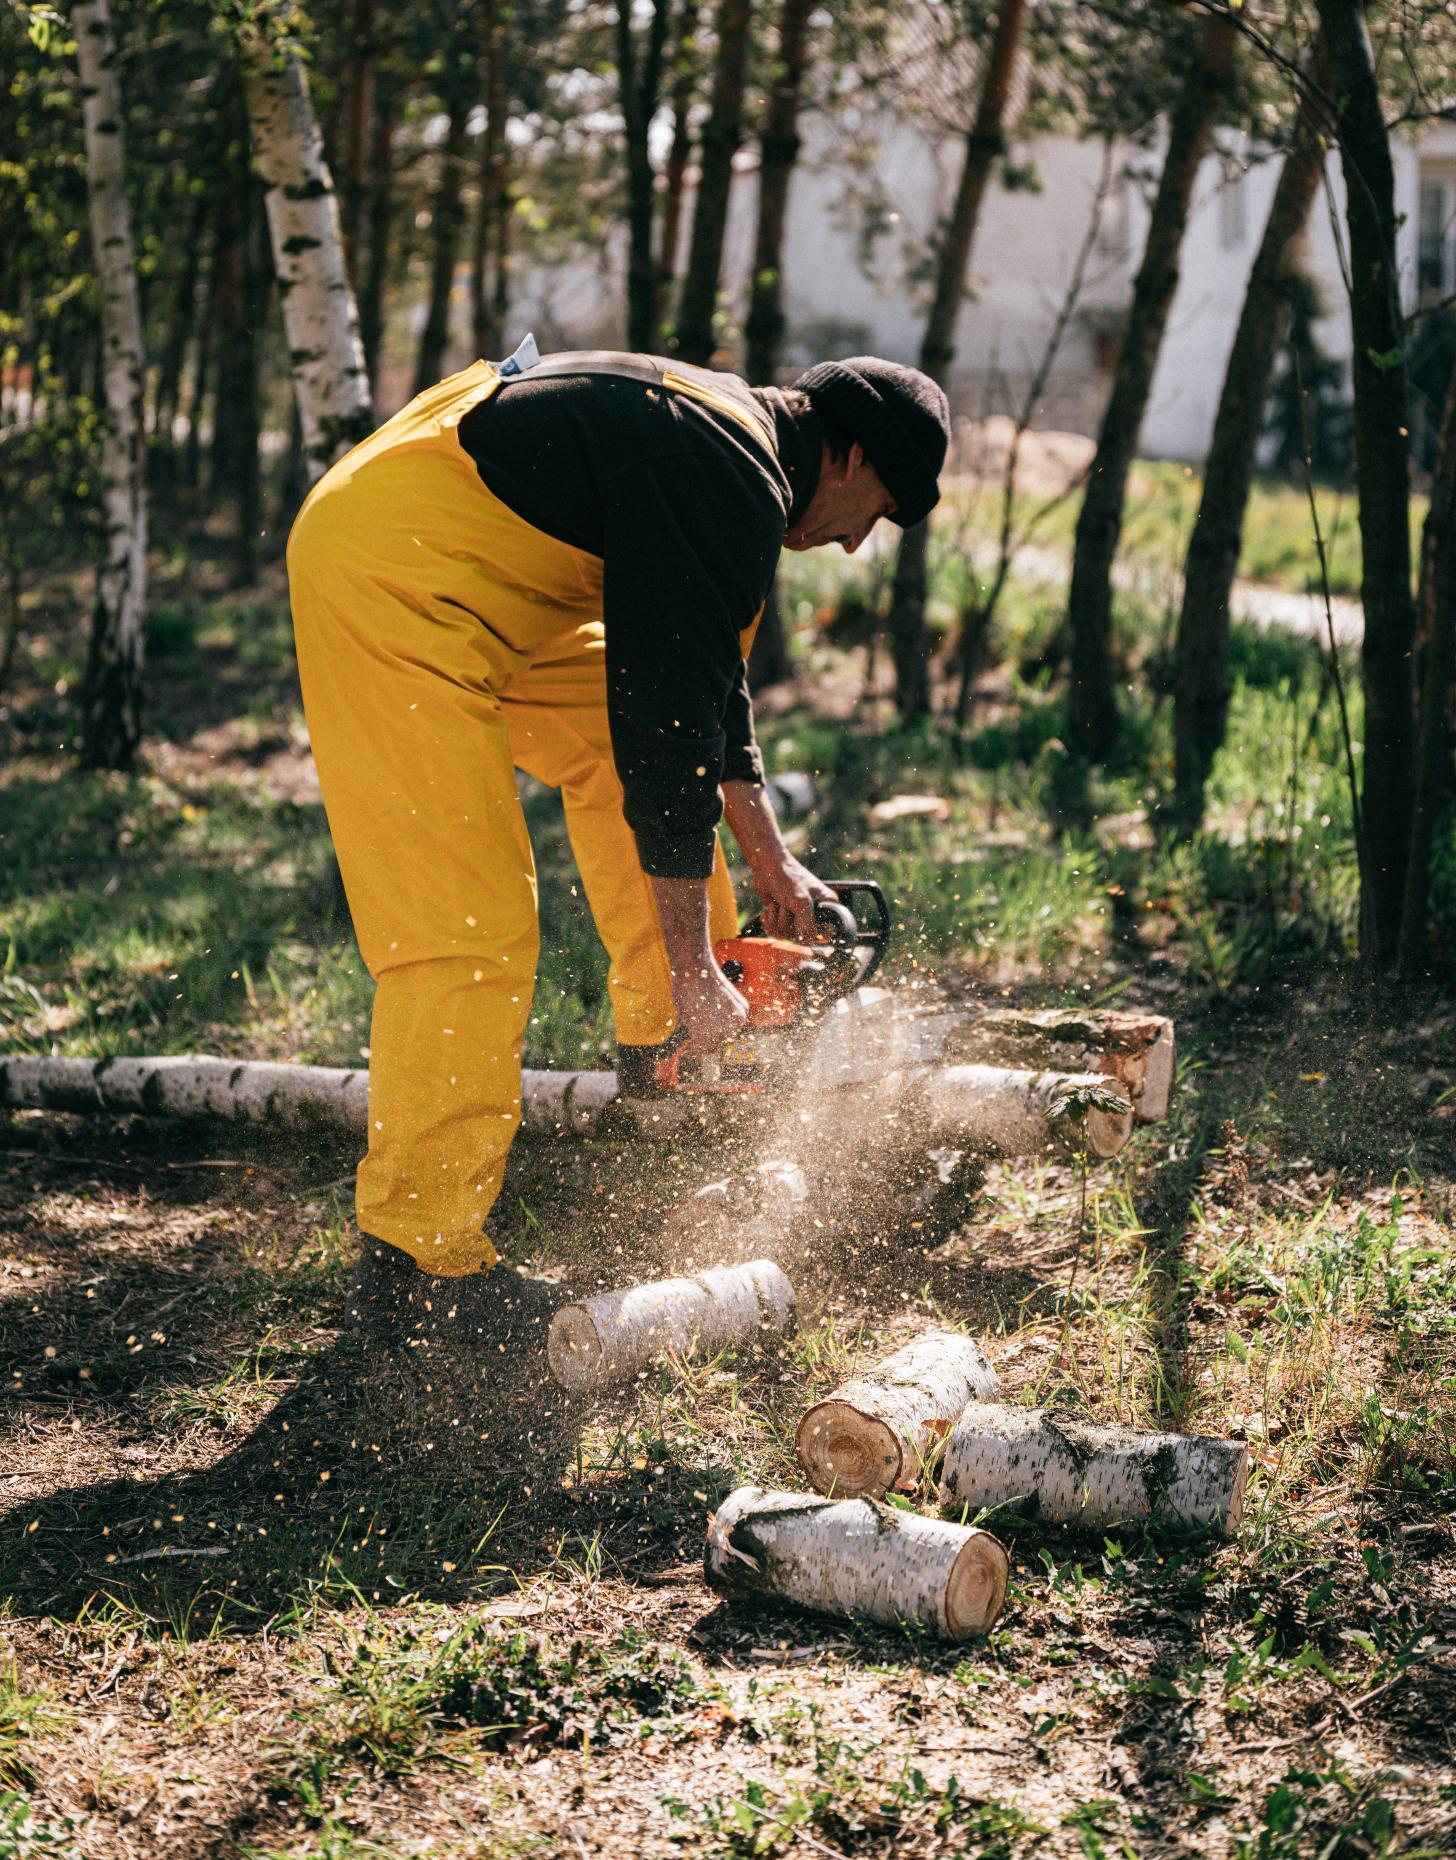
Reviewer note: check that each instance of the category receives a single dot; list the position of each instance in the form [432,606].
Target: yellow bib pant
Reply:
[443,643]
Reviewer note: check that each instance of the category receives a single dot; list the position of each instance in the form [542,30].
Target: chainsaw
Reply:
[789,988]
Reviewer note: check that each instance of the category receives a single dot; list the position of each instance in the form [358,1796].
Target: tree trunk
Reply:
[235,464]
[1201,650]
[639,80]
[446,225]
[909,641]
[380,220]
[111,695]
[488,253]
[858,1559]
[180,324]
[358,114]
[780,144]
[611,1337]
[1382,465]
[1074,1472]
[674,175]
[1437,662]
[722,134]
[876,1432]
[1093,723]
[326,359]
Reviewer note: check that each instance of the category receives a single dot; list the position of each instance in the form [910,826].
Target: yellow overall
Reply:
[444,643]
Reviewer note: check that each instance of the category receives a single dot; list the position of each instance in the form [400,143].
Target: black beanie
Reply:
[901,418]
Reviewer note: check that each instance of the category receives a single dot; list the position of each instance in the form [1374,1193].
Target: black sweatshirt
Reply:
[687,511]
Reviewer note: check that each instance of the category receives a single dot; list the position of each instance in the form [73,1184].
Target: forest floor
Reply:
[253,1610]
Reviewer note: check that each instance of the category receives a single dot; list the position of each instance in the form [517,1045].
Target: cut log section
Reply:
[610,1337]
[875,1433]
[1073,1472]
[998,1112]
[1138,1051]
[754,1214]
[858,1558]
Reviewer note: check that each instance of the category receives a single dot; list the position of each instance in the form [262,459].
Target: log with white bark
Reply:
[877,1431]
[996,1111]
[859,1558]
[752,1214]
[1138,1051]
[260,1092]
[326,357]
[112,690]
[609,1338]
[1076,1472]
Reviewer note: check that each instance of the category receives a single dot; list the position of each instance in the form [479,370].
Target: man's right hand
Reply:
[711,1009]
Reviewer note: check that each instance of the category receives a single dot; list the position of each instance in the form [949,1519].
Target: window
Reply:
[1436,235]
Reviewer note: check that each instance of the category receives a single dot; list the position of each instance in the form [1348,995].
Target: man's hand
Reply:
[707,1003]
[787,889]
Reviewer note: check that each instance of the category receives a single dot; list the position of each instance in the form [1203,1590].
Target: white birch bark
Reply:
[326,357]
[608,1338]
[257,1092]
[1073,1472]
[755,1214]
[111,727]
[876,1432]
[1012,1113]
[1138,1051]
[857,1558]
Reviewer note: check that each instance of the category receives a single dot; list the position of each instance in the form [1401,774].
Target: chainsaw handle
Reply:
[875,938]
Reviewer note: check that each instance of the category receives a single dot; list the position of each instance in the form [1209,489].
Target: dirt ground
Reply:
[214,1522]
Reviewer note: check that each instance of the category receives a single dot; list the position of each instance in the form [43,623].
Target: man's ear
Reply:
[854,460]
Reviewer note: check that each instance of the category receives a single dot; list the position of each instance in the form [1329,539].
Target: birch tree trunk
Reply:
[1137,1051]
[610,1337]
[111,694]
[1201,650]
[326,357]
[984,141]
[1073,1472]
[876,1432]
[852,1557]
[722,134]
[1382,469]
[1092,714]
[780,144]
[996,1111]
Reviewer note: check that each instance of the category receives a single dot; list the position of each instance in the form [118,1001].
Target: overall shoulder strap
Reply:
[699,384]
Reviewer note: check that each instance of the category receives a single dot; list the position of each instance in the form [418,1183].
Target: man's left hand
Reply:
[788,892]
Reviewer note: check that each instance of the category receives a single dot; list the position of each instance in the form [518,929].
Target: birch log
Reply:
[874,1434]
[111,697]
[1072,1472]
[754,1214]
[608,1338]
[859,1558]
[258,1092]
[1011,1113]
[1138,1051]
[325,355]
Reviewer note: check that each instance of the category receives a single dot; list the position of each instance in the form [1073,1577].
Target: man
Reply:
[557,566]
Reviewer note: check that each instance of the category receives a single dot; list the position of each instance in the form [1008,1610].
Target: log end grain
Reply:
[1160,1064]
[846,1453]
[574,1349]
[1107,1132]
[975,1592]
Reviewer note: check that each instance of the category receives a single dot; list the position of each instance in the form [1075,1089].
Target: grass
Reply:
[246,1602]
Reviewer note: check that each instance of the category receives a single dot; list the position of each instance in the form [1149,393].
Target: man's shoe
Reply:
[486,1314]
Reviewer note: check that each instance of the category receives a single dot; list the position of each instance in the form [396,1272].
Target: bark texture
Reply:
[1072,1472]
[993,1110]
[111,693]
[780,144]
[1382,468]
[876,1432]
[611,1337]
[1437,661]
[326,357]
[1201,647]
[721,136]
[984,141]
[858,1559]
[1093,723]
[639,78]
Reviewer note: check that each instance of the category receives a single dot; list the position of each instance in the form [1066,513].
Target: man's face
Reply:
[848,502]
